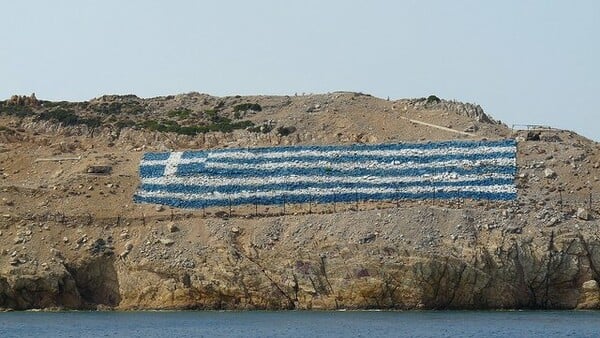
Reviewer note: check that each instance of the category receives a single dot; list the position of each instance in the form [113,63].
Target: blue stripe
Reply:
[231,189]
[358,172]
[155,156]
[352,147]
[364,147]
[350,197]
[194,154]
[152,171]
[190,169]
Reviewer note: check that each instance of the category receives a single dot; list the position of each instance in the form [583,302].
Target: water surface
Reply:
[301,324]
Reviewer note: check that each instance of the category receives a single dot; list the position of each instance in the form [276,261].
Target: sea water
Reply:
[302,324]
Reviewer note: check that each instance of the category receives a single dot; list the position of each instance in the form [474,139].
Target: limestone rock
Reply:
[172,227]
[549,173]
[99,169]
[590,295]
[167,241]
[583,214]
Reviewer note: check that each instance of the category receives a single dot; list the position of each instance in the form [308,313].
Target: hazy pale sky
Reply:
[532,62]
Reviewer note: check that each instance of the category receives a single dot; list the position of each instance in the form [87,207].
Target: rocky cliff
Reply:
[70,236]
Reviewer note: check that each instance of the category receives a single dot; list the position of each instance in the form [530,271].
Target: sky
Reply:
[524,62]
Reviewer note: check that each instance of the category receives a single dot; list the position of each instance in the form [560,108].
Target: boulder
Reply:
[549,173]
[172,227]
[583,214]
[167,241]
[532,136]
[99,169]
[589,296]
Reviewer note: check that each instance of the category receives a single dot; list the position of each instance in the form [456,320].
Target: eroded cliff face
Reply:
[388,258]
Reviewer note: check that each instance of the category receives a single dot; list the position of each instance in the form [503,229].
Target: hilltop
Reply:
[71,236]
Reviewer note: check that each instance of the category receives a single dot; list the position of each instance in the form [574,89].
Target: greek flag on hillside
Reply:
[298,174]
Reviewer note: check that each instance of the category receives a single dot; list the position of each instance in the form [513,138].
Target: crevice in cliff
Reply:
[97,281]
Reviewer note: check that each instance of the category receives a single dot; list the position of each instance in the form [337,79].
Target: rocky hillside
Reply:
[70,236]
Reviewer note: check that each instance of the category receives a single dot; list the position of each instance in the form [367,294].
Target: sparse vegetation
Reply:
[6,130]
[264,128]
[126,123]
[285,131]
[15,110]
[68,118]
[181,113]
[247,106]
[116,108]
[224,125]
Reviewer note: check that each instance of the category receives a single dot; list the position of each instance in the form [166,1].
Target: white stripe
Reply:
[255,180]
[503,161]
[321,192]
[337,153]
[334,153]
[172,163]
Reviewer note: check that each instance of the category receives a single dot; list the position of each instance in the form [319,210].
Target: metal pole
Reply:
[229,206]
[334,200]
[560,199]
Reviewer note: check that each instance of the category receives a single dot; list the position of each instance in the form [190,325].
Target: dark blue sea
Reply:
[301,324]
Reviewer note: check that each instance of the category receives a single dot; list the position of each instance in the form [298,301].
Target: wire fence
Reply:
[570,201]
[530,127]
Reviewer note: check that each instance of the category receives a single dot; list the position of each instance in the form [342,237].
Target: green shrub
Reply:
[65,116]
[15,110]
[92,122]
[433,99]
[127,123]
[285,131]
[68,118]
[181,113]
[112,108]
[247,106]
[224,126]
[214,117]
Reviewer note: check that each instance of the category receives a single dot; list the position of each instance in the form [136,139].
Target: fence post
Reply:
[255,208]
[560,199]
[172,216]
[229,206]
[334,200]
[590,202]
[143,219]
[284,204]
[310,204]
